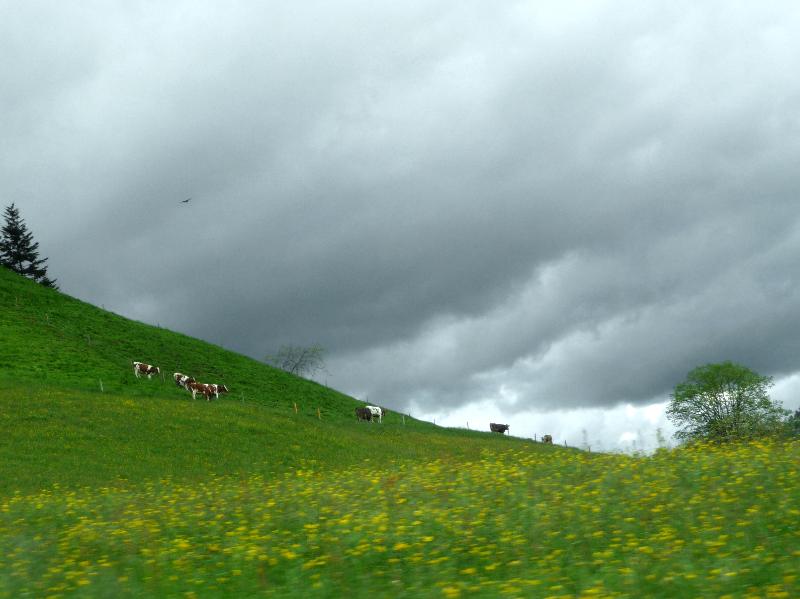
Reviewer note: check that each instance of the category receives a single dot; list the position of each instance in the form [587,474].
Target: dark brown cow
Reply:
[140,368]
[547,439]
[364,414]
[498,428]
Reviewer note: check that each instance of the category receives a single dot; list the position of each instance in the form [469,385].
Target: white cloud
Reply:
[621,428]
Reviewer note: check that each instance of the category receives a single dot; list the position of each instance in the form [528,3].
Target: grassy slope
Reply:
[139,492]
[56,426]
[50,338]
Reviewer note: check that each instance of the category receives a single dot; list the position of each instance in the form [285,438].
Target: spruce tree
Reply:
[19,252]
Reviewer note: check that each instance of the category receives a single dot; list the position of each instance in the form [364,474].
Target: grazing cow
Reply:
[498,428]
[364,414]
[217,389]
[376,412]
[201,388]
[140,368]
[182,379]
[547,439]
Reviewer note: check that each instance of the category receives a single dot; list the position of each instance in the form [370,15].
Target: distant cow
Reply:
[201,388]
[498,428]
[376,412]
[182,379]
[140,368]
[364,414]
[547,439]
[217,389]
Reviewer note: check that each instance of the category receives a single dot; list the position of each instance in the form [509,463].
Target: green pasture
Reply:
[51,339]
[112,486]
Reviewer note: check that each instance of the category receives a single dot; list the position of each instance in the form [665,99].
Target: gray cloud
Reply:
[541,205]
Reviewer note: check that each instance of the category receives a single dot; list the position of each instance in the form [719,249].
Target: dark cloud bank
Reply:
[544,206]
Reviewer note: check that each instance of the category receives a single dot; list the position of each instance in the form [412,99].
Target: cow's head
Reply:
[222,389]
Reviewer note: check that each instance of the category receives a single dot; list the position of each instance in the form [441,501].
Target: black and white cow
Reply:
[377,412]
[498,428]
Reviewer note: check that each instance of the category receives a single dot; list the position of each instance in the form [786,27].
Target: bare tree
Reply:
[301,361]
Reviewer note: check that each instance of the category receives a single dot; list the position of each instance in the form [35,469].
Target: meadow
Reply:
[113,486]
[527,521]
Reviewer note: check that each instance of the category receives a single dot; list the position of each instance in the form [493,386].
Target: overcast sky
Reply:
[541,213]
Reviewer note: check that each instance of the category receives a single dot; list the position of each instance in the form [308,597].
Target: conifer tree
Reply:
[19,252]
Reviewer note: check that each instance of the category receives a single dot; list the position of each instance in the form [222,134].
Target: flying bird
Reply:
[186,201]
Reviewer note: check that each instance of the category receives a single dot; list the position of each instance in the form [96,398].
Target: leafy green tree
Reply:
[19,252]
[724,402]
[793,424]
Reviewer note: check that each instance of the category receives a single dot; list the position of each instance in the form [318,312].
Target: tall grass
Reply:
[530,521]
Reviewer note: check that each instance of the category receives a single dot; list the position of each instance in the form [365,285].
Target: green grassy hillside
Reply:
[50,338]
[138,491]
[58,426]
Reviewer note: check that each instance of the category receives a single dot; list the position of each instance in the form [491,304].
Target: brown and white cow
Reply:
[217,389]
[498,428]
[547,439]
[195,388]
[140,368]
[182,379]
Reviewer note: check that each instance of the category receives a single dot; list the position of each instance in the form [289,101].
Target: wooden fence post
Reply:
[101,386]
[295,407]
[318,414]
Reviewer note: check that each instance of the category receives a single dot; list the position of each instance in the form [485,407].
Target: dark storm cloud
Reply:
[540,205]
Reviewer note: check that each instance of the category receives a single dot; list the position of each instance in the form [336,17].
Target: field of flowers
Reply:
[532,521]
